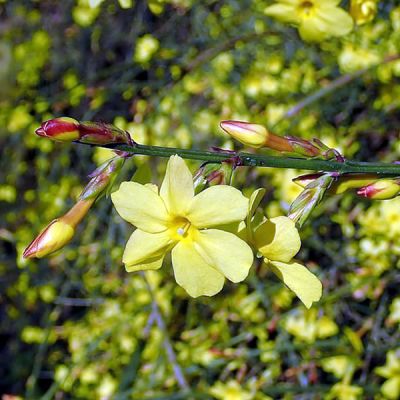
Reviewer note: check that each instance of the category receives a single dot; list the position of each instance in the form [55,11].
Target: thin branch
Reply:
[156,313]
[259,160]
[332,86]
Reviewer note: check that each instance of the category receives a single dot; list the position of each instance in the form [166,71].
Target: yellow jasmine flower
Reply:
[391,371]
[363,11]
[175,219]
[317,20]
[230,390]
[277,242]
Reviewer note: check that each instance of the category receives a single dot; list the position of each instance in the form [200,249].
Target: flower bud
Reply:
[58,233]
[101,133]
[102,178]
[363,11]
[66,129]
[351,181]
[303,147]
[253,135]
[210,174]
[304,180]
[309,198]
[62,129]
[383,189]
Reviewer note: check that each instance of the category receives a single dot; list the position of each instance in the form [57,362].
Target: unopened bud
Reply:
[58,233]
[303,147]
[347,182]
[341,184]
[309,198]
[66,129]
[210,174]
[100,133]
[253,135]
[62,129]
[363,11]
[383,189]
[102,178]
[304,180]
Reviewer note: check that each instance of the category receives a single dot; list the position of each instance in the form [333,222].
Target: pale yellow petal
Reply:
[145,266]
[143,247]
[391,388]
[217,205]
[277,239]
[193,273]
[254,202]
[141,206]
[338,20]
[283,12]
[177,187]
[300,280]
[225,252]
[327,21]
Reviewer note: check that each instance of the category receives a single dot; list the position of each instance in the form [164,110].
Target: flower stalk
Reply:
[259,160]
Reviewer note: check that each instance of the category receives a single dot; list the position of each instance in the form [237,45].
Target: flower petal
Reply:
[299,279]
[217,205]
[177,187]
[277,239]
[283,12]
[145,266]
[192,272]
[144,247]
[339,21]
[226,252]
[141,206]
[254,202]
[328,21]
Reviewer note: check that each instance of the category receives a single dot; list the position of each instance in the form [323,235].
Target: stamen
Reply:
[183,229]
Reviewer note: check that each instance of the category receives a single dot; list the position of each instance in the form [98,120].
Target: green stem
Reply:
[258,160]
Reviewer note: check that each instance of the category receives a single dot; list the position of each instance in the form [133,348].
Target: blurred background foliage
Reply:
[76,325]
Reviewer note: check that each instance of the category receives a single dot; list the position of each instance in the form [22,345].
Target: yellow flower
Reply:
[231,390]
[317,20]
[277,242]
[175,219]
[391,371]
[363,11]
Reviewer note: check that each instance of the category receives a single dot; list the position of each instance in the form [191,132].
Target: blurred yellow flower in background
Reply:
[363,11]
[230,390]
[391,371]
[175,219]
[317,20]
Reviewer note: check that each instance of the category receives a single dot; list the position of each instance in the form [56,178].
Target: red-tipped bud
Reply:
[383,189]
[62,129]
[66,129]
[58,233]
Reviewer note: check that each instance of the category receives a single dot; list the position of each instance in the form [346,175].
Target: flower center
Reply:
[306,8]
[181,228]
